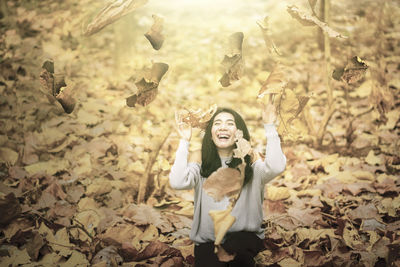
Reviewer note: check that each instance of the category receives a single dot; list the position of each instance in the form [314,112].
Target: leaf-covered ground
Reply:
[80,188]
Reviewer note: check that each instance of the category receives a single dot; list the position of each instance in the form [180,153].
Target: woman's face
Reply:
[223,130]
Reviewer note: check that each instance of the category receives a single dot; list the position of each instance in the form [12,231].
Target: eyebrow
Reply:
[221,120]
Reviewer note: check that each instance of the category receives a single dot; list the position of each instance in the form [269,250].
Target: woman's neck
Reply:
[225,152]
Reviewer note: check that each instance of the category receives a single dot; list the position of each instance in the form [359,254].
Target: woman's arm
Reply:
[183,175]
[275,160]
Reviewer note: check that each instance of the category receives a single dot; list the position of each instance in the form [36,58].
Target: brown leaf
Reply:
[109,255]
[305,217]
[143,215]
[311,20]
[223,220]
[111,13]
[243,146]
[157,248]
[275,82]
[267,38]
[223,255]
[148,85]
[368,211]
[353,72]
[223,182]
[197,118]
[233,62]
[9,208]
[154,35]
[382,99]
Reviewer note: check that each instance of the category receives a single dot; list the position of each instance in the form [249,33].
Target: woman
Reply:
[244,238]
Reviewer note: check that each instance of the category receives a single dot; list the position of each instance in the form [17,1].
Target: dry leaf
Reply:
[353,72]
[197,118]
[311,20]
[223,220]
[275,193]
[54,83]
[243,146]
[289,106]
[223,182]
[267,38]
[223,255]
[233,62]
[109,255]
[148,85]
[275,82]
[154,35]
[111,13]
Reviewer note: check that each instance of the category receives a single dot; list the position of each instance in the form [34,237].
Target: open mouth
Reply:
[223,136]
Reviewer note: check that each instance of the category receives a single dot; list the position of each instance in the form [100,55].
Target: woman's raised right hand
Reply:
[184,129]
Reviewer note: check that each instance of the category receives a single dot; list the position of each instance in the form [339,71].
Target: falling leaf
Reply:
[311,20]
[275,82]
[148,85]
[289,106]
[197,118]
[111,13]
[264,27]
[223,220]
[381,99]
[154,35]
[243,146]
[54,83]
[222,183]
[353,72]
[233,62]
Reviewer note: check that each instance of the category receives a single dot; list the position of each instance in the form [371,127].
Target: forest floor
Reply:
[91,187]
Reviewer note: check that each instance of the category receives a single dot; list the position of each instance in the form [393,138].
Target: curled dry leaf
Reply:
[223,182]
[197,118]
[223,220]
[275,82]
[148,85]
[267,38]
[243,146]
[154,35]
[311,20]
[233,62]
[111,13]
[353,72]
[54,85]
[289,107]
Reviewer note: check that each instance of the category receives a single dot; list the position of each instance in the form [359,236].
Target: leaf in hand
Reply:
[198,118]
[54,83]
[289,106]
[223,182]
[233,62]
[111,13]
[148,85]
[223,220]
[267,38]
[275,82]
[311,20]
[154,35]
[353,72]
[243,146]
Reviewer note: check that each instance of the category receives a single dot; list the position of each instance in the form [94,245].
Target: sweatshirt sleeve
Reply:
[183,175]
[275,161]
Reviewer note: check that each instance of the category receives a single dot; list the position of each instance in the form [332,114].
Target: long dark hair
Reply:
[210,160]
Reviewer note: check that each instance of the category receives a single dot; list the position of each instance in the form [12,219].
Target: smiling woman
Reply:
[243,239]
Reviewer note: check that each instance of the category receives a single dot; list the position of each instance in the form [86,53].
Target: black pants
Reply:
[245,245]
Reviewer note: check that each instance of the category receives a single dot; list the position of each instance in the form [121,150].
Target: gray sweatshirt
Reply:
[248,209]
